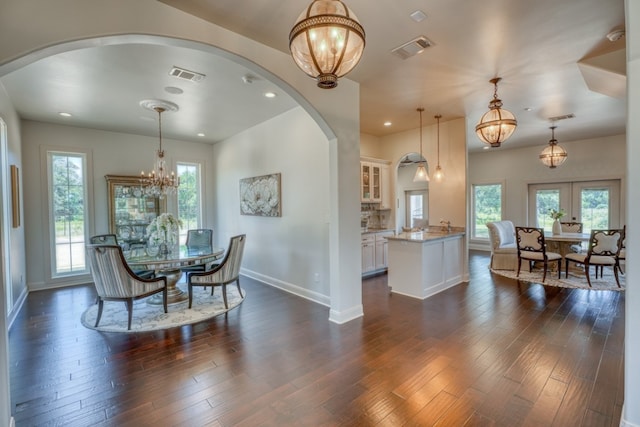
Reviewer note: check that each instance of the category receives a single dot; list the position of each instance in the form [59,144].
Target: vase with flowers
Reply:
[556,215]
[163,232]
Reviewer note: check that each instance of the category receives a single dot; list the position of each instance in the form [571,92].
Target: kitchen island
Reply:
[424,263]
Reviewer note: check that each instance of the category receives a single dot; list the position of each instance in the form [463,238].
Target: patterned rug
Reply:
[576,279]
[148,317]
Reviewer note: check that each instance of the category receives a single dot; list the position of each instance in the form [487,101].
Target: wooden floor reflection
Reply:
[490,352]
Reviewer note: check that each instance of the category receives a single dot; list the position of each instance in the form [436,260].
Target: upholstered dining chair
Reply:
[571,227]
[115,281]
[112,239]
[228,271]
[604,248]
[198,239]
[532,248]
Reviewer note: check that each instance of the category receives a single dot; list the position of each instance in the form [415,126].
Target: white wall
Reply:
[16,237]
[288,251]
[369,146]
[447,199]
[113,154]
[631,412]
[591,159]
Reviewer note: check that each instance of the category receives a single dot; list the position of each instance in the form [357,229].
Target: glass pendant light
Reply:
[438,174]
[553,155]
[421,173]
[497,124]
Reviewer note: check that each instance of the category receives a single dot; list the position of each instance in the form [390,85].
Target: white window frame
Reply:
[198,166]
[472,225]
[47,154]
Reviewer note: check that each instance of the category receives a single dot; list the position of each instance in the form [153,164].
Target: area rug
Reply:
[148,317]
[576,279]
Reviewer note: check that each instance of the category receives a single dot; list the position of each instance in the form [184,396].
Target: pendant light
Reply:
[438,174]
[421,173]
[327,41]
[553,155]
[497,124]
[159,182]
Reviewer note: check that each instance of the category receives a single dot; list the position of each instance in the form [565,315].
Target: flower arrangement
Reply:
[556,215]
[164,229]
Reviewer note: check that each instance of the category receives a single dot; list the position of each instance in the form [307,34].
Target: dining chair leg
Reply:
[587,267]
[130,311]
[224,295]
[165,297]
[239,289]
[559,267]
[544,272]
[100,306]
[615,273]
[190,294]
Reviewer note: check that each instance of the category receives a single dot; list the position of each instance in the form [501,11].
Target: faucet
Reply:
[446,225]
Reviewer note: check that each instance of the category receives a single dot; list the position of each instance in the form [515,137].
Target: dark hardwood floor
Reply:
[486,353]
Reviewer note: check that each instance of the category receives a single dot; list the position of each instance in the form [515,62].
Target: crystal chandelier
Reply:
[553,155]
[327,41]
[497,124]
[421,173]
[159,182]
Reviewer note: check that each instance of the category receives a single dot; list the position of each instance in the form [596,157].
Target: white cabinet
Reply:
[368,253]
[374,251]
[385,187]
[369,182]
[382,249]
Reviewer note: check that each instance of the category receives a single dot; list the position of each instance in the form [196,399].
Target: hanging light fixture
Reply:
[421,173]
[497,124]
[438,174]
[327,41]
[159,182]
[553,155]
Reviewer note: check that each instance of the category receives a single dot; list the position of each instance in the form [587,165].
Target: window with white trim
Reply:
[487,207]
[189,198]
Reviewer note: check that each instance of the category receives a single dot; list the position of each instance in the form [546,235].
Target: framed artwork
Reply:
[15,196]
[260,195]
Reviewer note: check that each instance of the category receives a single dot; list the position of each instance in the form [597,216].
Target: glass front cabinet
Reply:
[130,210]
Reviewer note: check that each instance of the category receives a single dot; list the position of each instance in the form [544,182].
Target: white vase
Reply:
[557,228]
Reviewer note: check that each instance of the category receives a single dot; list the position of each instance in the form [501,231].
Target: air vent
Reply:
[566,116]
[412,48]
[183,74]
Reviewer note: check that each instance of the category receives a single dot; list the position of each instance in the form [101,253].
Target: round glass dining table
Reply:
[170,266]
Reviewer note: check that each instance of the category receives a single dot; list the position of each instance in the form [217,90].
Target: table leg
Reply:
[175,295]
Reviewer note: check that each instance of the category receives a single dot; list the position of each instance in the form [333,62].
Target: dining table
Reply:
[170,266]
[561,243]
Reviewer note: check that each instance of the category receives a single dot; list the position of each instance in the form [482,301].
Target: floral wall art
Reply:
[260,195]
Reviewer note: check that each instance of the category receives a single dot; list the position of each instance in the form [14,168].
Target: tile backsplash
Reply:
[373,217]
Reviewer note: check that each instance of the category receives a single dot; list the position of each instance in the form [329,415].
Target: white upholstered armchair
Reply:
[504,250]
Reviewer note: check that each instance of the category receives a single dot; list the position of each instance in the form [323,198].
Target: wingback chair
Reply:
[504,253]
[112,239]
[115,281]
[228,271]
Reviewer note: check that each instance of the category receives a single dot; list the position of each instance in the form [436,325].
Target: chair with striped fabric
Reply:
[115,281]
[228,271]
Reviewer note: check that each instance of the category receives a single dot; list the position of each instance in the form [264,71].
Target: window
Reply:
[189,200]
[67,212]
[417,208]
[594,203]
[487,207]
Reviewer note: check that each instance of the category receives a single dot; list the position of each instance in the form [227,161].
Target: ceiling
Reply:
[553,56]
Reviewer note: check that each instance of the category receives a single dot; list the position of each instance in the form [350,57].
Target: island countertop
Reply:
[426,236]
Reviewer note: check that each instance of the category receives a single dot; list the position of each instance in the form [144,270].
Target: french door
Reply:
[594,203]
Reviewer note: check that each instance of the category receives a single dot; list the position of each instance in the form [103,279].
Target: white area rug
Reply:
[576,279]
[148,317]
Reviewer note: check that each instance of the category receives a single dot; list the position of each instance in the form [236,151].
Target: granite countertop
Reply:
[375,230]
[426,236]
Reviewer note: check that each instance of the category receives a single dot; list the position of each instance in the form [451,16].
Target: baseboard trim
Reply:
[287,287]
[345,316]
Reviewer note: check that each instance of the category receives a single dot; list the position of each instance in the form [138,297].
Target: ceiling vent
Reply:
[564,117]
[412,48]
[183,74]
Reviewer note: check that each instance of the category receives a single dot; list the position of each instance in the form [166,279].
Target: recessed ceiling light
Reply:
[173,90]
[388,123]
[63,114]
[269,95]
[201,134]
[528,109]
[418,16]
[486,147]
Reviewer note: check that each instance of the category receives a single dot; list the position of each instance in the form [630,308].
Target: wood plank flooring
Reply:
[486,353]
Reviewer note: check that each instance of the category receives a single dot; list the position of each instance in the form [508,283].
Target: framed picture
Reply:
[15,196]
[260,195]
